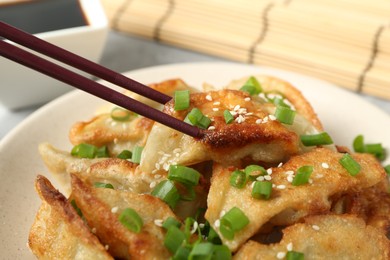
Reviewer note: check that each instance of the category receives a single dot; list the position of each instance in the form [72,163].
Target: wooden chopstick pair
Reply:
[53,70]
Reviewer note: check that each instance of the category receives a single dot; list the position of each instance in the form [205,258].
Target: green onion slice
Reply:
[262,190]
[303,175]
[294,255]
[352,166]
[84,151]
[221,252]
[167,191]
[279,102]
[358,144]
[136,156]
[182,253]
[171,221]
[252,86]
[183,174]
[174,239]
[131,220]
[229,118]
[182,100]
[375,149]
[233,221]
[120,114]
[102,152]
[201,251]
[253,171]
[387,169]
[285,115]
[316,139]
[103,185]
[125,154]
[238,179]
[195,117]
[78,210]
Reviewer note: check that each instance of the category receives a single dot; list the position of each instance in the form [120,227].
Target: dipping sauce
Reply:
[43,15]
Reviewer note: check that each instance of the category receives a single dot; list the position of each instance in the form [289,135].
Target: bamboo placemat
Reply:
[346,42]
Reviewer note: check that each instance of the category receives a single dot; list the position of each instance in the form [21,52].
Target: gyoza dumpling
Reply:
[254,135]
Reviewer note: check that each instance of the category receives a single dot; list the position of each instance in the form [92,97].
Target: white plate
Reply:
[344,115]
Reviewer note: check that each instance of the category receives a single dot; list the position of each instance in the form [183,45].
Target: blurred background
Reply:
[346,42]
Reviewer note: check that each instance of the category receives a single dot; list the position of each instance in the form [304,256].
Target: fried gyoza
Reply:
[119,135]
[58,232]
[101,208]
[289,203]
[254,135]
[324,237]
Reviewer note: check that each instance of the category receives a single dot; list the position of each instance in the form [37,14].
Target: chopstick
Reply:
[53,70]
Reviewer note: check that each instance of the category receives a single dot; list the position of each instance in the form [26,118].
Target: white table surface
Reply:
[123,53]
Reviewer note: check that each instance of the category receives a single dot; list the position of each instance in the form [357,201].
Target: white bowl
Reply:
[22,87]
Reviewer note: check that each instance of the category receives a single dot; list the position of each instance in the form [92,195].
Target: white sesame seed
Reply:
[195,227]
[269,171]
[177,154]
[281,187]
[157,166]
[114,209]
[106,247]
[242,111]
[267,177]
[247,99]
[252,185]
[152,184]
[157,176]
[233,113]
[280,255]
[154,171]
[209,98]
[93,230]
[310,181]
[315,227]
[289,246]
[211,128]
[280,165]
[215,109]
[124,126]
[176,150]
[237,107]
[319,176]
[262,95]
[113,123]
[289,172]
[260,178]
[88,169]
[222,213]
[290,178]
[265,120]
[201,225]
[258,121]
[166,166]
[325,165]
[273,185]
[249,114]
[217,223]
[158,222]
[217,103]
[272,117]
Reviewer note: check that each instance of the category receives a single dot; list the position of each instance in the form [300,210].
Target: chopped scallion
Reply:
[316,139]
[120,114]
[254,171]
[84,151]
[262,190]
[352,166]
[195,117]
[303,175]
[221,252]
[174,239]
[387,169]
[293,255]
[78,210]
[171,221]
[125,154]
[252,86]
[376,150]
[182,253]
[103,185]
[228,117]
[136,155]
[238,179]
[167,191]
[233,221]
[182,100]
[131,220]
[358,144]
[201,251]
[183,174]
[285,115]
[102,152]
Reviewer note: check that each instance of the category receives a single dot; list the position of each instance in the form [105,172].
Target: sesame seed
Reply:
[195,227]
[113,123]
[157,166]
[272,117]
[280,165]
[289,246]
[310,181]
[93,230]
[176,150]
[325,165]
[265,120]
[166,166]
[217,103]
[88,169]
[267,177]
[114,209]
[237,107]
[260,178]
[290,178]
[201,225]
[215,109]
[281,187]
[269,171]
[262,95]
[158,222]
[273,185]
[289,172]
[258,121]
[106,247]
[177,154]
[280,255]
[211,128]
[209,98]
[222,213]
[247,99]
[252,185]
[242,111]
[157,176]
[152,184]
[315,227]
[233,113]
[217,223]
[319,176]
